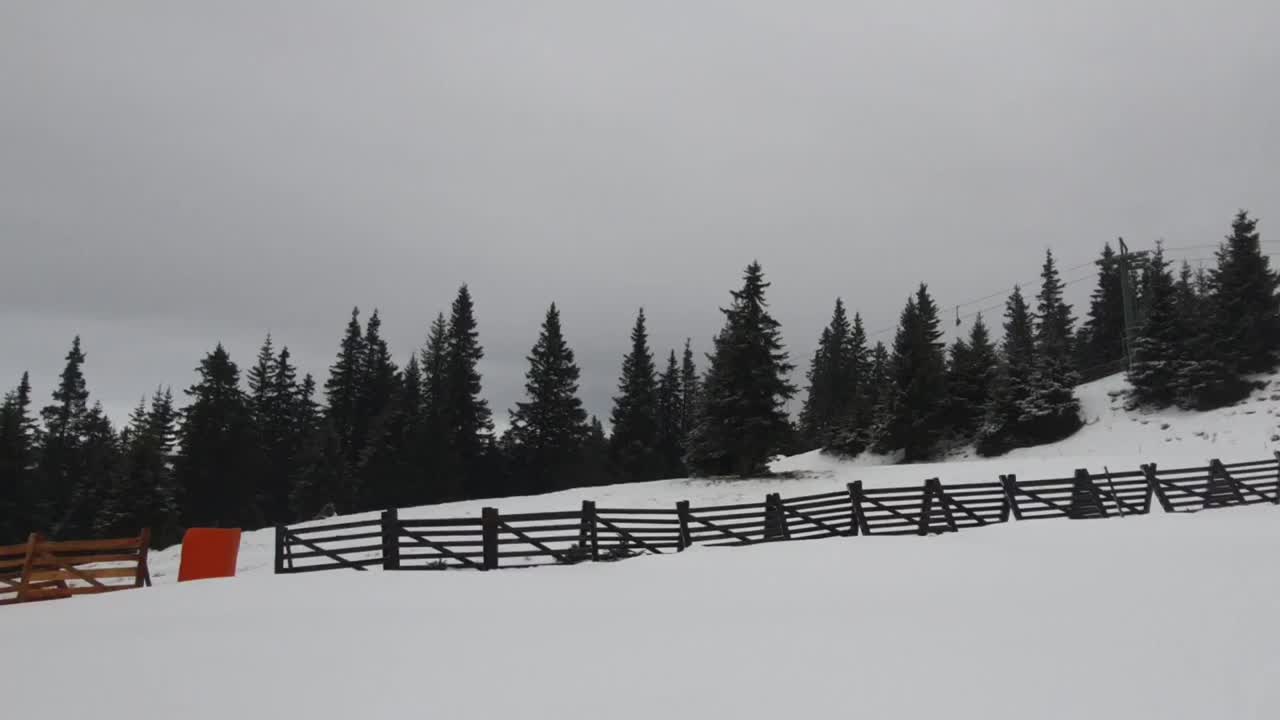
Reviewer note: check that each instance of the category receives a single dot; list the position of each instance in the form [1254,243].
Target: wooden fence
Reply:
[496,540]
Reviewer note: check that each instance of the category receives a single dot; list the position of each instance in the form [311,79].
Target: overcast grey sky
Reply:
[173,173]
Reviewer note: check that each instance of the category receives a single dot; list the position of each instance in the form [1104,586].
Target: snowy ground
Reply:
[1144,617]
[1159,616]
[1113,438]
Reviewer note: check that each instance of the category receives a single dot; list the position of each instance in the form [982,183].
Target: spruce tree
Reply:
[260,377]
[100,467]
[265,411]
[634,444]
[972,373]
[549,429]
[118,509]
[433,437]
[380,471]
[274,398]
[917,410]
[378,378]
[144,494]
[743,419]
[858,425]
[218,450]
[1101,342]
[1194,314]
[343,396]
[834,383]
[1154,372]
[670,412]
[1246,307]
[468,422]
[1052,411]
[814,415]
[879,382]
[1003,424]
[595,455]
[18,442]
[858,414]
[317,481]
[62,456]
[690,402]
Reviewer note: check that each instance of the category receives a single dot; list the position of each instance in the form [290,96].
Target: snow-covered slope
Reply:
[1159,616]
[1113,437]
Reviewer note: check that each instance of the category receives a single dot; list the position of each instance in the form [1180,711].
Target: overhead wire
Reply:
[1004,293]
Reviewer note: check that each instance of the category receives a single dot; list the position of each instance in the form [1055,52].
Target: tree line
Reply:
[269,446]
[1193,341]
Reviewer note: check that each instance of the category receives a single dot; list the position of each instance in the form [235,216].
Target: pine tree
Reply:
[548,431]
[380,466]
[343,395]
[634,444]
[972,373]
[834,382]
[260,377]
[378,378]
[405,440]
[18,442]
[1052,411]
[274,399]
[218,451]
[62,457]
[859,412]
[144,495]
[670,412]
[468,422]
[1246,306]
[1003,424]
[917,411]
[1199,370]
[1155,368]
[815,416]
[743,418]
[690,397]
[433,437]
[879,382]
[100,467]
[410,399]
[595,455]
[317,480]
[1101,342]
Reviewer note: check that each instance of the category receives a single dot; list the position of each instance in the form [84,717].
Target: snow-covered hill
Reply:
[1113,437]
[1157,616]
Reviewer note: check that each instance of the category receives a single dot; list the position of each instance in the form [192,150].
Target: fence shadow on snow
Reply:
[495,540]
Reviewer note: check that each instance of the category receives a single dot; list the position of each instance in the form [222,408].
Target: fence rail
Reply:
[496,540]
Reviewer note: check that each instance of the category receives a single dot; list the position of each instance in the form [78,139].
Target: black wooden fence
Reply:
[590,533]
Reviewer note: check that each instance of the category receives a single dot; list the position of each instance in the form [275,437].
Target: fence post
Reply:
[940,494]
[926,508]
[1276,500]
[489,535]
[686,539]
[1229,483]
[587,536]
[1153,482]
[859,518]
[390,540]
[1086,501]
[775,525]
[1010,484]
[280,543]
